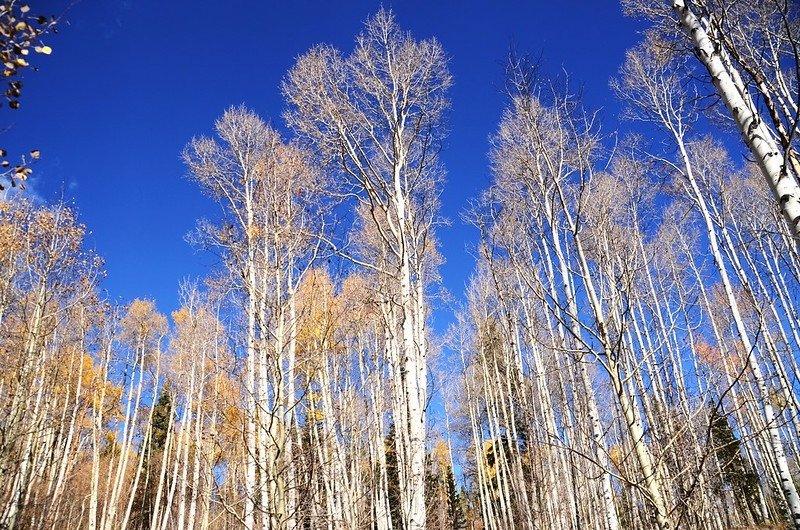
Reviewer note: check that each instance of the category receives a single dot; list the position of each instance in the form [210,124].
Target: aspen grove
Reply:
[625,354]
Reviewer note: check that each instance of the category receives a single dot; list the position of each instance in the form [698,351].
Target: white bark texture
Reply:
[756,134]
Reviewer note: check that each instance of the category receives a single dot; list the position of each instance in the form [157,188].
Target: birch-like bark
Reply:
[376,118]
[755,132]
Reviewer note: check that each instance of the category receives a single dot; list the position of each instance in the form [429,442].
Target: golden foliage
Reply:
[318,312]
[441,454]
[616,455]
[143,327]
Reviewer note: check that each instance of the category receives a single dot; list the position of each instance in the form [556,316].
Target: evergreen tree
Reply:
[393,479]
[146,494]
[162,415]
[455,504]
[737,473]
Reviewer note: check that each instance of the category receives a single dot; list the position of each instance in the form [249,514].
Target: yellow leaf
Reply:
[180,316]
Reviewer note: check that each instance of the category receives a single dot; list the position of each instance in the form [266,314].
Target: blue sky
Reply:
[129,83]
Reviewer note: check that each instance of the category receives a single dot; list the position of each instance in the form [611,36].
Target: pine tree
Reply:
[455,503]
[393,479]
[162,416]
[737,473]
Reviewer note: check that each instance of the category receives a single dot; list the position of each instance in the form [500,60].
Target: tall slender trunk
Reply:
[756,136]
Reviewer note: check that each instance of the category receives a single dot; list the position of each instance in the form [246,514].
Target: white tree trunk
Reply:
[754,131]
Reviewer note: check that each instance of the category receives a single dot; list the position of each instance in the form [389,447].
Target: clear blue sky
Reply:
[129,83]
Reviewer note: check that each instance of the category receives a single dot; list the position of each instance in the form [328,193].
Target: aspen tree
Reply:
[375,117]
[659,98]
[266,188]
